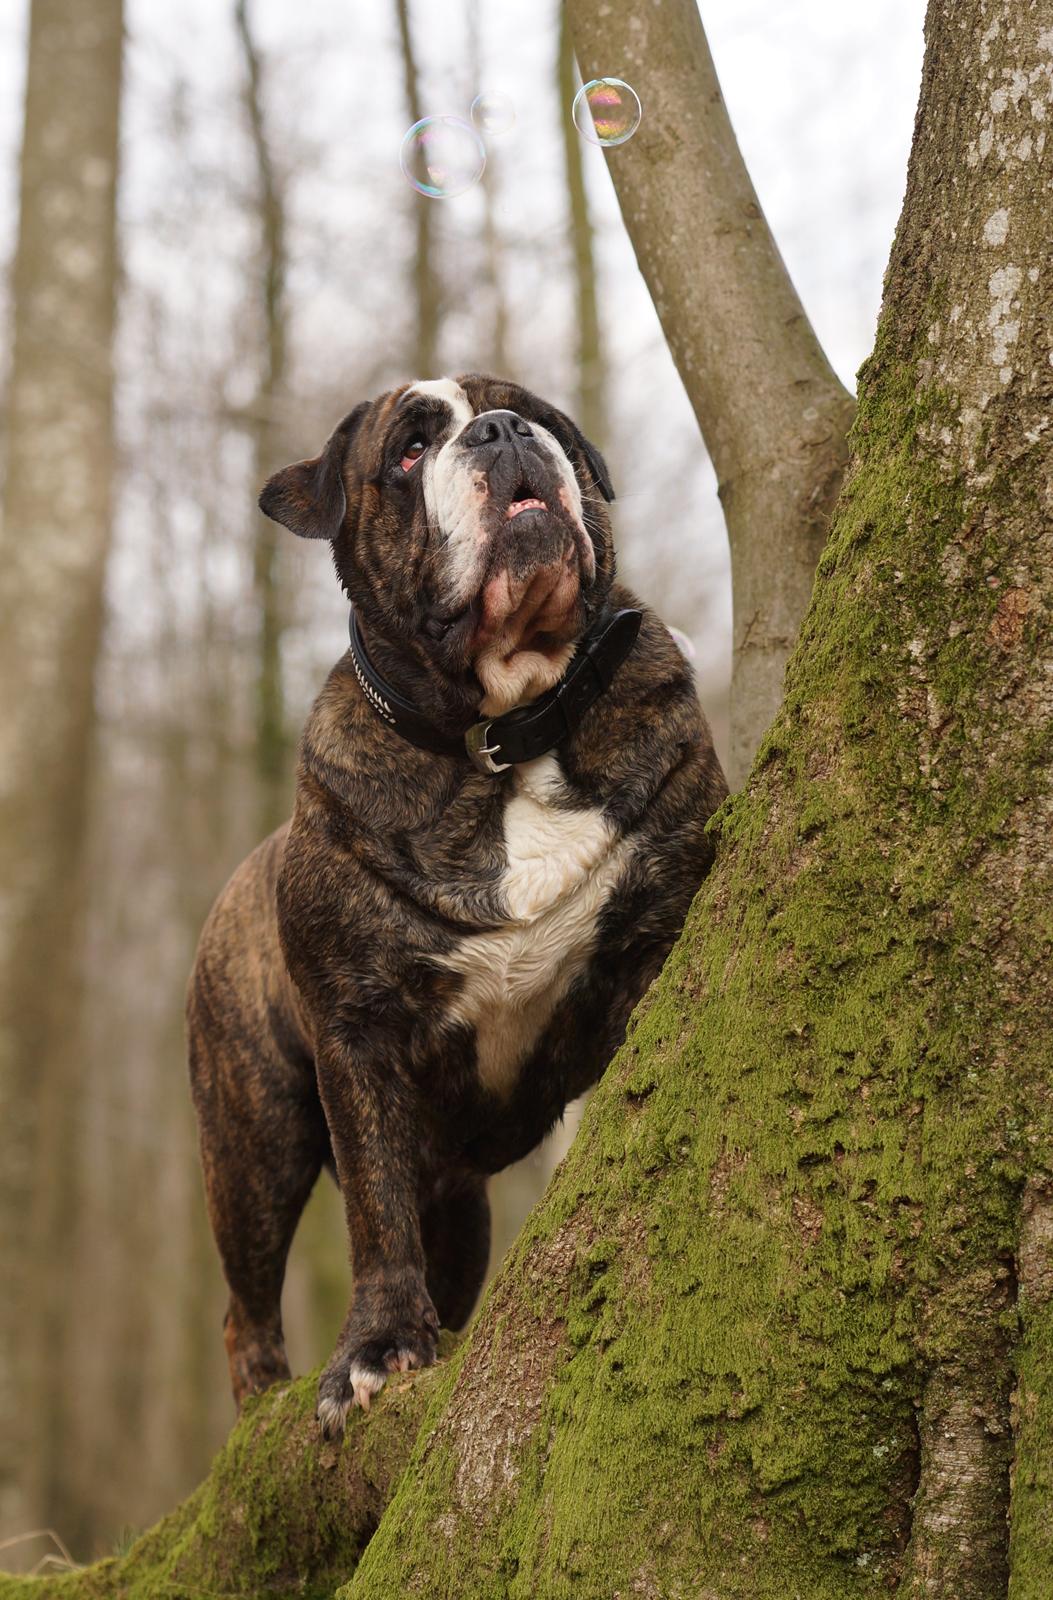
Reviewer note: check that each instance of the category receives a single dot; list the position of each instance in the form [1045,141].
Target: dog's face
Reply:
[469,522]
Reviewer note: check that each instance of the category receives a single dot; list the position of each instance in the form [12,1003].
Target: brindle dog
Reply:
[409,981]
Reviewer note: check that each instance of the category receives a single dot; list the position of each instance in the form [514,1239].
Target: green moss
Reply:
[281,1513]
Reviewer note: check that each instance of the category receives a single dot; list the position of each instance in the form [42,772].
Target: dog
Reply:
[499,826]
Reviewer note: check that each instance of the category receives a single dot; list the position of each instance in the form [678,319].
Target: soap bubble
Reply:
[683,644]
[493,112]
[606,111]
[442,157]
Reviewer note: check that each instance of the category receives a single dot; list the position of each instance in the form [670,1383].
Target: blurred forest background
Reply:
[272,268]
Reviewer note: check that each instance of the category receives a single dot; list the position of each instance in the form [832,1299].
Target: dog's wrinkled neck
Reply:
[497,742]
[452,705]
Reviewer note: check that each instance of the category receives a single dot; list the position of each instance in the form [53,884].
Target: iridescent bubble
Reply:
[683,644]
[493,112]
[606,111]
[442,157]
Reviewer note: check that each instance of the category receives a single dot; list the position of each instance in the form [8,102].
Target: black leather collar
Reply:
[525,733]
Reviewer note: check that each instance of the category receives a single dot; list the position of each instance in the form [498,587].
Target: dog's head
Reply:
[469,524]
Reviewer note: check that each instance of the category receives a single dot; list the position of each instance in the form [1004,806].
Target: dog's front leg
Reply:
[374,1120]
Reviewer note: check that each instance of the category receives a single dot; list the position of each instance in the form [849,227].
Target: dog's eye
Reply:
[412,454]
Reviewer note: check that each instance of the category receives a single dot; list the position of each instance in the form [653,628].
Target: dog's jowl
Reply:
[499,826]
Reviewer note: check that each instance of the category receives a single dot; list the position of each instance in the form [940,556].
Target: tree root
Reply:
[281,1511]
[959,1540]
[1031,1527]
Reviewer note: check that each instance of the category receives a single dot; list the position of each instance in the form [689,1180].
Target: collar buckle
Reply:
[480,753]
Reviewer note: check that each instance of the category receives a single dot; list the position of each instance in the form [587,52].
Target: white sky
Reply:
[822,95]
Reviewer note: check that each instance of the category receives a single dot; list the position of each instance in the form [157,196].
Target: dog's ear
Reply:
[597,465]
[566,432]
[308,496]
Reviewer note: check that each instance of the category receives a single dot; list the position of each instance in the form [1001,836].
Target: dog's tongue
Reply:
[516,506]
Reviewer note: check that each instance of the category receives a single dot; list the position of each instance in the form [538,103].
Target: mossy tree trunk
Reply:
[783,1325]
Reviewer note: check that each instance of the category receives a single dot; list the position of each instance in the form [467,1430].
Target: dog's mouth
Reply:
[523,501]
[526,584]
[530,596]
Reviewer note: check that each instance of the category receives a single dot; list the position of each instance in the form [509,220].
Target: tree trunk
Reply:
[591,409]
[280,1513]
[783,1325]
[54,537]
[496,344]
[271,745]
[425,280]
[773,415]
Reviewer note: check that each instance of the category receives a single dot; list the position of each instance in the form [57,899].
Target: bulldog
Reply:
[499,826]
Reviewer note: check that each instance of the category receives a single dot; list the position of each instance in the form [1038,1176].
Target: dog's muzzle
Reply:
[535,552]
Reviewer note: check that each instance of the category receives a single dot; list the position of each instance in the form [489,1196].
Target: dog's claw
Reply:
[332,1414]
[364,1382]
[400,1359]
[358,1373]
[357,1389]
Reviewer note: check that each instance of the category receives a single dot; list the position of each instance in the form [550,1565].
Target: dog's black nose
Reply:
[497,427]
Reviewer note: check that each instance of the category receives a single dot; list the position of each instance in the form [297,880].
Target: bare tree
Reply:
[591,357]
[54,538]
[493,266]
[271,742]
[425,277]
[773,415]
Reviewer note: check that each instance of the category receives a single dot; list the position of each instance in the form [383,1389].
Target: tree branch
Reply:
[591,363]
[772,412]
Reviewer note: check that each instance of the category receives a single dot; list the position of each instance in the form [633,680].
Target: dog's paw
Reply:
[353,1377]
[337,1394]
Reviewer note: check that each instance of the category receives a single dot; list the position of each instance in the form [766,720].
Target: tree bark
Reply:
[271,744]
[425,280]
[54,538]
[591,410]
[773,414]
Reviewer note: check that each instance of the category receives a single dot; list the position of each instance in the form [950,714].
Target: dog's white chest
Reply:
[562,866]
